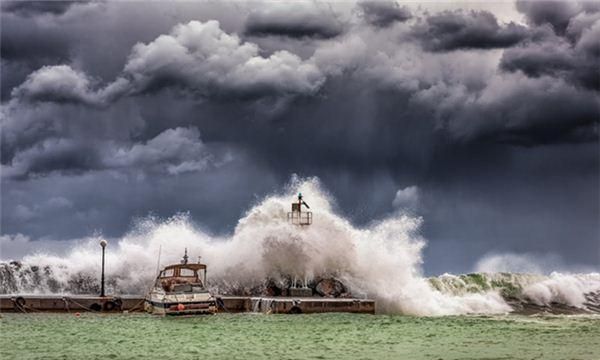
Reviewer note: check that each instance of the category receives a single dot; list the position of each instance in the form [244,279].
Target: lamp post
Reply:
[103,243]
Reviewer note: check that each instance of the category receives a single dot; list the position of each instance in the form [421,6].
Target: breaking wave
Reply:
[556,293]
[382,261]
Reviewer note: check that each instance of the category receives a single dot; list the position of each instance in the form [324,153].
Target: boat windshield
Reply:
[167,273]
[186,272]
[188,288]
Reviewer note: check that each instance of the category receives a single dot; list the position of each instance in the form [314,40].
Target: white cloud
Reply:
[407,198]
[58,83]
[204,58]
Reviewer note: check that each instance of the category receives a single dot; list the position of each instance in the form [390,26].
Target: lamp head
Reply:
[103,243]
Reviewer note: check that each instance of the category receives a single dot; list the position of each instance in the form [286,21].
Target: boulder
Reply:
[330,287]
[272,290]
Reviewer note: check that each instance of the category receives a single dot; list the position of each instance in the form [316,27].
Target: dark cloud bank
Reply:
[486,128]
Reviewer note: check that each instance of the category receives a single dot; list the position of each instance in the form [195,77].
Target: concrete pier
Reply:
[233,304]
[69,303]
[297,305]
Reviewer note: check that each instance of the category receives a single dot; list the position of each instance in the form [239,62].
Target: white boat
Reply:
[181,290]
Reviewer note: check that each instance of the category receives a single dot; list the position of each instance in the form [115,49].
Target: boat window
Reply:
[182,288]
[186,272]
[167,273]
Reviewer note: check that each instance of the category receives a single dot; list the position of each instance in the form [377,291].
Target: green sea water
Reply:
[319,336]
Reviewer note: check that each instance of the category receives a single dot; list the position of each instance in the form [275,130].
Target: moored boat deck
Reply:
[233,304]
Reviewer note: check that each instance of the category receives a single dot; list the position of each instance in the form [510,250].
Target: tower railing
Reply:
[300,217]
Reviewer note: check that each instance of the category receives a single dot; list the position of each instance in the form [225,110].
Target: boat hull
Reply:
[181,308]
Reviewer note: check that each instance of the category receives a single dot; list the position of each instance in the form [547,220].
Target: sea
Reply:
[317,336]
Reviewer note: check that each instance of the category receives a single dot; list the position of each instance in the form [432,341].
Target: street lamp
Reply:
[103,243]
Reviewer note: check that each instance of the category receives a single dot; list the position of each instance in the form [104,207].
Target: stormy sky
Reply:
[481,118]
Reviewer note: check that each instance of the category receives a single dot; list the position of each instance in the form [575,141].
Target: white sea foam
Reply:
[561,288]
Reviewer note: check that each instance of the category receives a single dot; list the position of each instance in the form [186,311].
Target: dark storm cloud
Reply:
[580,23]
[539,58]
[32,8]
[451,30]
[23,42]
[25,47]
[196,56]
[205,60]
[164,110]
[88,32]
[554,59]
[524,111]
[504,193]
[383,13]
[294,20]
[174,151]
[24,124]
[110,203]
[573,57]
[556,13]
[65,155]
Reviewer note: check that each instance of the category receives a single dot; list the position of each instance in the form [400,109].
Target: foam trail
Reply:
[382,260]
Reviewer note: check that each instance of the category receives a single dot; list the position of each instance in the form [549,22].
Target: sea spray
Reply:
[382,260]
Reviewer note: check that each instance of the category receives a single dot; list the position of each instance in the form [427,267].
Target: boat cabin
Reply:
[182,278]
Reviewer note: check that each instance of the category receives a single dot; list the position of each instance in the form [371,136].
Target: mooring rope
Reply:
[31,308]
[136,305]
[81,306]
[66,304]
[23,308]
[221,304]
[17,305]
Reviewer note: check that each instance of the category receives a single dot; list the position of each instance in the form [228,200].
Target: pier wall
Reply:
[36,303]
[233,304]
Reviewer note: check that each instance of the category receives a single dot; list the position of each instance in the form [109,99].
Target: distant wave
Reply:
[556,293]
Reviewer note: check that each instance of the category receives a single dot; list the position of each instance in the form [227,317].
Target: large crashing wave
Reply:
[382,261]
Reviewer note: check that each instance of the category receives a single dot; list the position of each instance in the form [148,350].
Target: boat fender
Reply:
[19,302]
[220,303]
[295,310]
[109,306]
[118,302]
[180,307]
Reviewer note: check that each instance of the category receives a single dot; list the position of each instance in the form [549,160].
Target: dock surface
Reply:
[134,303]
